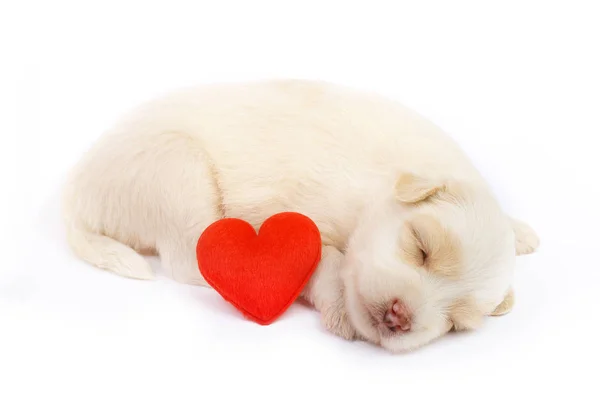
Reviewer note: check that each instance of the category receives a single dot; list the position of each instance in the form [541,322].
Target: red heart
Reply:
[261,275]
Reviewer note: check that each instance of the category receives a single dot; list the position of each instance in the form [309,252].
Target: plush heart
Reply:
[260,274]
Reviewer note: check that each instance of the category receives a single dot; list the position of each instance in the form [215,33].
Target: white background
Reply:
[515,82]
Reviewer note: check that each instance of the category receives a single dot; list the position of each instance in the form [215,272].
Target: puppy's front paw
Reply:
[526,240]
[336,320]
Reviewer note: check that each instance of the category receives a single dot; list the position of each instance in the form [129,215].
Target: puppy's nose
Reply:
[398,317]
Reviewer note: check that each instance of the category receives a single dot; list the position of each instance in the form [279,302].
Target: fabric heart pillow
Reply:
[263,273]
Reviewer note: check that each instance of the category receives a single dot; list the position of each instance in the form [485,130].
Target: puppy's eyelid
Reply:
[424,257]
[412,248]
[421,247]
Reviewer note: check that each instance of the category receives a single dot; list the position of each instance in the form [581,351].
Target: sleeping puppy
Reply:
[414,242]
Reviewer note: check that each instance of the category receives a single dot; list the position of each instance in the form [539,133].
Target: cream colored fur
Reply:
[362,167]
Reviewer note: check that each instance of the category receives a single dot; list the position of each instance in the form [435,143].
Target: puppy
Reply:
[414,242]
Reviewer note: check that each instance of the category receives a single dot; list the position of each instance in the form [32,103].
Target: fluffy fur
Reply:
[403,214]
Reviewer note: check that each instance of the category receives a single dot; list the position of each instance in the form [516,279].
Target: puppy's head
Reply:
[432,256]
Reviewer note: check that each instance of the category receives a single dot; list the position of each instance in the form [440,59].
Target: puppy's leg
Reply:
[325,291]
[178,256]
[526,240]
[195,202]
[177,246]
[143,190]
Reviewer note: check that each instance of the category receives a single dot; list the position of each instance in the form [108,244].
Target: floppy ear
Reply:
[507,304]
[412,189]
[526,240]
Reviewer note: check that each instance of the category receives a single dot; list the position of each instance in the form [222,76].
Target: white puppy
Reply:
[414,242]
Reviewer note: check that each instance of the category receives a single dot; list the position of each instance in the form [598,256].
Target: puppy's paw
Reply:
[336,320]
[526,240]
[507,304]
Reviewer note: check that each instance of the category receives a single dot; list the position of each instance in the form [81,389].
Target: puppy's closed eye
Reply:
[411,248]
[426,243]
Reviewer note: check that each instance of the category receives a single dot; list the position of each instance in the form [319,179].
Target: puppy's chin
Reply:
[413,340]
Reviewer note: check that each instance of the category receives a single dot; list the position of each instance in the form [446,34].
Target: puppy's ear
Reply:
[412,189]
[526,240]
[506,305]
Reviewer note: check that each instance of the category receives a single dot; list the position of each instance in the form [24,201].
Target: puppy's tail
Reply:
[107,253]
[100,250]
